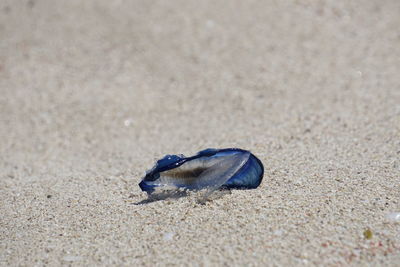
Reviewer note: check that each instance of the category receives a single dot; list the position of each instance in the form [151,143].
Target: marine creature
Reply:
[210,169]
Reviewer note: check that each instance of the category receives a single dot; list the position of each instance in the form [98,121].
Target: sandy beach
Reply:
[92,93]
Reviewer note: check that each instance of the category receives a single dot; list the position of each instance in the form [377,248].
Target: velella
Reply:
[211,169]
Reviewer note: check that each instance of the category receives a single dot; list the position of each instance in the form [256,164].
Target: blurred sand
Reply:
[92,92]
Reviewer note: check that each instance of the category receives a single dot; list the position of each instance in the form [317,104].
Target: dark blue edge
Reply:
[146,187]
[177,161]
[239,173]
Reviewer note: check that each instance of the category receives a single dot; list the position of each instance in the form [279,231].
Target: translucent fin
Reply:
[214,177]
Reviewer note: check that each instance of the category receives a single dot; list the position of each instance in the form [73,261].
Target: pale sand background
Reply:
[92,93]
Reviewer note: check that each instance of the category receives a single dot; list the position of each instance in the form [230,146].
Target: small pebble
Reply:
[128,122]
[72,258]
[278,232]
[168,236]
[367,234]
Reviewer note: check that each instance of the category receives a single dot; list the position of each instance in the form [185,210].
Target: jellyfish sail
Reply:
[210,169]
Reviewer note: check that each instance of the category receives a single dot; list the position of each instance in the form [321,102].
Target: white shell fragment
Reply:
[393,216]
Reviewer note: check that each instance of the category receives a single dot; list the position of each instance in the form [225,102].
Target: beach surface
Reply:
[93,92]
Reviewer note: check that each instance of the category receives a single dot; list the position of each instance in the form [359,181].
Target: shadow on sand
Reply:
[201,198]
[162,196]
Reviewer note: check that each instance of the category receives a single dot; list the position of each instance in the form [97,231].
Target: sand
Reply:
[93,92]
